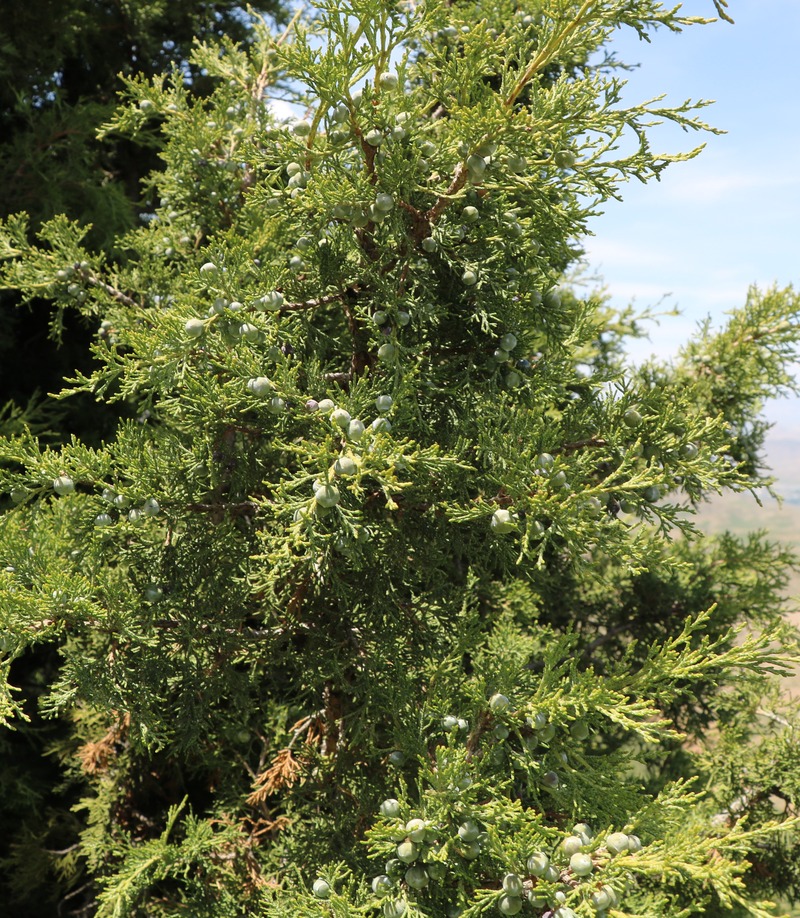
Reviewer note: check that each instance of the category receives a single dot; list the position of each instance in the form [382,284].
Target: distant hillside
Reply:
[783,457]
[740,513]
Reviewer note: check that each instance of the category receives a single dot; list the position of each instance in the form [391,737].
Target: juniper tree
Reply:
[386,596]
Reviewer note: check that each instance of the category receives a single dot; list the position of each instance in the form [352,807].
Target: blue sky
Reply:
[729,218]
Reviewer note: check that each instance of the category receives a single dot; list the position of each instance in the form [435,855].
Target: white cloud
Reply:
[606,250]
[284,111]
[709,187]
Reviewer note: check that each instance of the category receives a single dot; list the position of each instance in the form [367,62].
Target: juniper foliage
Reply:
[386,595]
[60,65]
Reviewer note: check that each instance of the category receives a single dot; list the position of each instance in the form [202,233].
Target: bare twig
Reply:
[112,291]
[262,80]
[355,290]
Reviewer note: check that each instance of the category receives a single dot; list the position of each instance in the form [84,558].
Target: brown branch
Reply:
[752,337]
[401,284]
[341,378]
[482,724]
[112,291]
[361,358]
[604,638]
[421,227]
[369,155]
[76,892]
[354,290]
[263,77]
[62,851]
[367,243]
[443,202]
[333,714]
[296,600]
